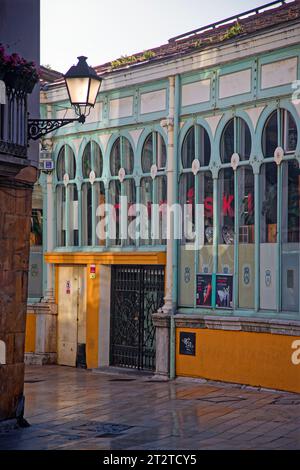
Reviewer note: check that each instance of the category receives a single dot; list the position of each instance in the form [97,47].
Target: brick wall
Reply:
[15,213]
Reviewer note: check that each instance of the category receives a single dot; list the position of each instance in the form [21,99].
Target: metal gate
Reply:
[136,293]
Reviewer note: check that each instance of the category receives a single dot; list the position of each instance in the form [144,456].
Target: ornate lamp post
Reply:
[83,85]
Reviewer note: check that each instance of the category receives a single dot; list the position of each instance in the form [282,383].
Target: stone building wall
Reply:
[15,218]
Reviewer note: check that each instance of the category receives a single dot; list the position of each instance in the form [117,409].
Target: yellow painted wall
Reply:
[30,333]
[92,319]
[256,359]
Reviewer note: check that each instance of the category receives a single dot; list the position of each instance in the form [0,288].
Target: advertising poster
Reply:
[204,290]
[224,291]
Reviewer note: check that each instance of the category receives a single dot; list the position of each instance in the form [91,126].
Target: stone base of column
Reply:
[46,359]
[162,322]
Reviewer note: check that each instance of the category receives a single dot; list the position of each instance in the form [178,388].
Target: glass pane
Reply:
[127,155]
[71,163]
[130,192]
[98,160]
[36,232]
[73,215]
[290,236]
[146,202]
[246,237]
[61,165]
[268,237]
[86,203]
[227,142]
[60,215]
[290,132]
[206,198]
[268,203]
[243,139]
[205,147]
[161,182]
[147,155]
[87,161]
[114,219]
[270,136]
[188,149]
[226,221]
[99,190]
[161,152]
[115,158]
[187,202]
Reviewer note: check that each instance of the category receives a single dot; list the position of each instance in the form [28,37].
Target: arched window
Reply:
[93,194]
[196,145]
[66,197]
[154,152]
[280,131]
[121,157]
[236,138]
[153,191]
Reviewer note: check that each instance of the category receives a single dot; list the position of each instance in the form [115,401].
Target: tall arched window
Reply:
[236,138]
[280,232]
[122,156]
[153,192]
[280,131]
[92,195]
[195,191]
[66,197]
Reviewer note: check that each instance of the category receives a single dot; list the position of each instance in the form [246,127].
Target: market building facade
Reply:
[208,125]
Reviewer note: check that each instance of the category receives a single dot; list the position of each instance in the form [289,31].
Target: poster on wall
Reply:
[187,344]
[204,290]
[224,291]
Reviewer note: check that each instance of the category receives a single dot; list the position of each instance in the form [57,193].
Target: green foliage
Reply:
[128,60]
[235,30]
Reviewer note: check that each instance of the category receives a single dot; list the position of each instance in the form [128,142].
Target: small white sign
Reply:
[2,92]
[278,155]
[235,160]
[92,177]
[66,179]
[196,166]
[122,174]
[153,171]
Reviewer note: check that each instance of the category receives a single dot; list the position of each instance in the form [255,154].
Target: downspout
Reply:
[175,241]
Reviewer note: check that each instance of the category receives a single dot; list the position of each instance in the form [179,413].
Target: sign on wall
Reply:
[224,291]
[204,290]
[187,345]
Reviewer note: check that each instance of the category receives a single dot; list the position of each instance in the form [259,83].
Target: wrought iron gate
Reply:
[136,293]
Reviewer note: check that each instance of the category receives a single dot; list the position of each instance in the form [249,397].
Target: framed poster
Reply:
[224,291]
[204,290]
[187,345]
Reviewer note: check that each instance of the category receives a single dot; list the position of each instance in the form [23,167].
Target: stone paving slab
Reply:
[77,409]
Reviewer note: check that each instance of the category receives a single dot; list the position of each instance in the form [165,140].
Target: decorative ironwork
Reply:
[137,292]
[38,128]
[13,124]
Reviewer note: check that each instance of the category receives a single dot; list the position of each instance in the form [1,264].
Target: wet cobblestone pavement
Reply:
[77,409]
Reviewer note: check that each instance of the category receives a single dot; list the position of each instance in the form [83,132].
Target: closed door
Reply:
[71,315]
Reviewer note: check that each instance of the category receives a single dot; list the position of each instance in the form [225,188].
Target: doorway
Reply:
[136,293]
[72,316]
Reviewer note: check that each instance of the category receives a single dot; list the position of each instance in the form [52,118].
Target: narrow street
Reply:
[78,409]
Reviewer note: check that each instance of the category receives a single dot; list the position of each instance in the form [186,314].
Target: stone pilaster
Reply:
[162,322]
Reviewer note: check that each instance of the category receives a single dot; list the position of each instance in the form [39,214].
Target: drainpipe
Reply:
[175,242]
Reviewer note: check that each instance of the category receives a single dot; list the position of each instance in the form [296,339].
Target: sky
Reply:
[104,30]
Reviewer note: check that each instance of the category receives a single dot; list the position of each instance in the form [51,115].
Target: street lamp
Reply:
[83,85]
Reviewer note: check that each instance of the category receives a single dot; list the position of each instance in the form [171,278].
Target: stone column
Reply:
[46,310]
[162,319]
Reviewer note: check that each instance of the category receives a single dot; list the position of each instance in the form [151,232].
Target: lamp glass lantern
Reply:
[83,85]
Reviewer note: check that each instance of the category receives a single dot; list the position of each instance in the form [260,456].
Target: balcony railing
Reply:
[13,124]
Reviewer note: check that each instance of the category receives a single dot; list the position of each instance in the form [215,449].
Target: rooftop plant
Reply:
[233,31]
[128,60]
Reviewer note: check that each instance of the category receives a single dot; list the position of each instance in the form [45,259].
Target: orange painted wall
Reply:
[30,333]
[92,319]
[255,359]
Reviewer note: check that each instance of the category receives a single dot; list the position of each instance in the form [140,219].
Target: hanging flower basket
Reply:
[17,73]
